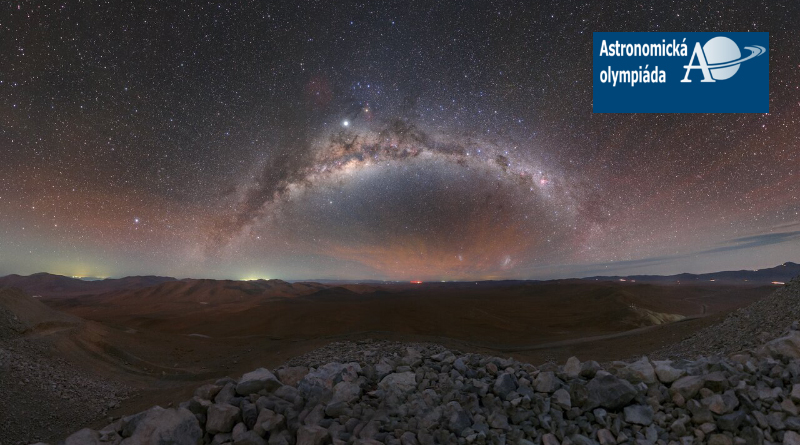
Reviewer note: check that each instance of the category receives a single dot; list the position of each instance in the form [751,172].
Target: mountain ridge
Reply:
[52,285]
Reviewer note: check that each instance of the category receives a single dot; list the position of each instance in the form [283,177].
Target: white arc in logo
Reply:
[719,59]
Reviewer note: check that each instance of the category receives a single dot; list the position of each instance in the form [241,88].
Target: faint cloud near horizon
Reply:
[741,243]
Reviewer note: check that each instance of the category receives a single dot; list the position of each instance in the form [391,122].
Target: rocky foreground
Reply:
[424,394]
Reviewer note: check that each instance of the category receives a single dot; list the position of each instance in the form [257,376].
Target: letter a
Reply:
[702,65]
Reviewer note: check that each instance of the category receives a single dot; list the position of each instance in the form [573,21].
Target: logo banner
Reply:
[680,72]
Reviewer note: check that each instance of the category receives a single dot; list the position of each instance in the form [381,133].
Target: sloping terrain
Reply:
[486,314]
[21,314]
[49,285]
[211,292]
[44,394]
[745,327]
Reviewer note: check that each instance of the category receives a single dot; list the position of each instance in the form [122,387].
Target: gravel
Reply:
[368,350]
[44,396]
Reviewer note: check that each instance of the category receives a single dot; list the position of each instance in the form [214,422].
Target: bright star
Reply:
[345,123]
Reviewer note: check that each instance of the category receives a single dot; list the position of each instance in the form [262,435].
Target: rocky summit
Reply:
[424,394]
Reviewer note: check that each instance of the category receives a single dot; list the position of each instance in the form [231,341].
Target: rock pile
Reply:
[472,399]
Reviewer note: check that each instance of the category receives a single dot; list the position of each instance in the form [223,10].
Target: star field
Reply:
[377,140]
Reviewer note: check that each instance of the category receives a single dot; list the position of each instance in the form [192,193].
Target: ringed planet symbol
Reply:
[723,56]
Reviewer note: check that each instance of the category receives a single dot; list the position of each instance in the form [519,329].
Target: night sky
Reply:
[382,140]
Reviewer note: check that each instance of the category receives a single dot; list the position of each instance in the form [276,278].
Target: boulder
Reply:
[562,398]
[226,393]
[336,409]
[715,381]
[504,384]
[638,371]
[550,439]
[795,394]
[249,413]
[580,439]
[498,420]
[458,418]
[286,392]
[605,437]
[666,373]
[546,381]
[783,347]
[313,416]
[255,381]
[789,407]
[791,438]
[176,426]
[383,369]
[207,392]
[110,433]
[238,431]
[719,439]
[715,404]
[282,438]
[609,392]
[249,438]
[639,414]
[687,386]
[85,436]
[402,382]
[196,405]
[221,417]
[311,435]
[409,438]
[291,375]
[347,392]
[572,367]
[444,357]
[731,422]
[328,375]
[269,421]
[589,369]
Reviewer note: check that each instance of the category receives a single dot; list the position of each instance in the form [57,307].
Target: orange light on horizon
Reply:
[416,282]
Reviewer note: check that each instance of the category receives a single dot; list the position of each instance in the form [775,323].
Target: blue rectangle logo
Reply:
[680,72]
